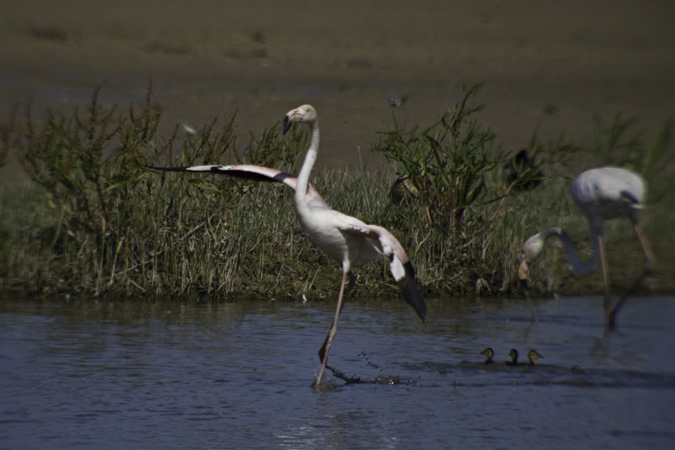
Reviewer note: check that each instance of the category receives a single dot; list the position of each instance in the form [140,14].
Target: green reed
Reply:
[95,221]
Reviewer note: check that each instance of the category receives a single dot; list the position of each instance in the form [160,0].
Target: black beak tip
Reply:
[286,125]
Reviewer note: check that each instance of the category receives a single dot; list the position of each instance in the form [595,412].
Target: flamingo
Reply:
[348,240]
[602,194]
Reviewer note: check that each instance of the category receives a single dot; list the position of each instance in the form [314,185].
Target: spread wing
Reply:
[401,268]
[250,172]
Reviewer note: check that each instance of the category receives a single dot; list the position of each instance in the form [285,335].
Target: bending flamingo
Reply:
[601,194]
[348,240]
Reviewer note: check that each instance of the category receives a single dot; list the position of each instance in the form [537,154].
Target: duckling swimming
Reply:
[532,356]
[489,353]
[578,369]
[513,353]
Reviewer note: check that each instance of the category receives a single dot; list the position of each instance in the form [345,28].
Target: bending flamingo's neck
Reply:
[580,267]
[310,159]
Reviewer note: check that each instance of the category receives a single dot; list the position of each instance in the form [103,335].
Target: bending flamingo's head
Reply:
[301,114]
[531,249]
[522,272]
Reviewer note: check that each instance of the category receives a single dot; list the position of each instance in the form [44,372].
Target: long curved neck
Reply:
[310,159]
[580,267]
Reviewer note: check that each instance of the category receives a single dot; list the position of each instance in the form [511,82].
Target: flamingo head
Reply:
[301,114]
[531,249]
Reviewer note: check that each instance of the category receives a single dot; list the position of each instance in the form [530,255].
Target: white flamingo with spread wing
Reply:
[348,240]
[601,194]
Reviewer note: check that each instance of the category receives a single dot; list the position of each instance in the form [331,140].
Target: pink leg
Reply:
[608,298]
[325,348]
[649,256]
[650,261]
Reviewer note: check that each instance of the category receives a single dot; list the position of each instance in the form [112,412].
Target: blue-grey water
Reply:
[138,375]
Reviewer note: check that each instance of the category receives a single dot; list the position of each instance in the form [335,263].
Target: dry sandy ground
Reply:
[547,65]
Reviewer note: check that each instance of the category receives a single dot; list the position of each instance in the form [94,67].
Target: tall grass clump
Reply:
[110,224]
[446,162]
[617,143]
[453,167]
[477,222]
[96,220]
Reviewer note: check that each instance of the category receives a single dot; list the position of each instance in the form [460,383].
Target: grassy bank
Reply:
[95,221]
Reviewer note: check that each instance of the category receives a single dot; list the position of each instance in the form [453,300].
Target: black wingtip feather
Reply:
[241,174]
[167,169]
[409,270]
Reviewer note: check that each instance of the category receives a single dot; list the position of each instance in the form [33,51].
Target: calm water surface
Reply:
[123,375]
